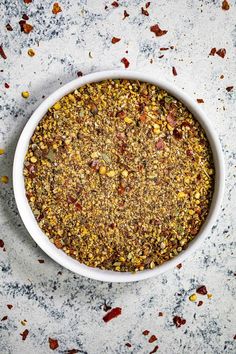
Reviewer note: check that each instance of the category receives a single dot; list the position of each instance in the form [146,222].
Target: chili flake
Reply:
[24,334]
[7,86]
[72,351]
[112,314]
[128,345]
[79,73]
[9,306]
[179,266]
[27,1]
[200,100]
[115,4]
[200,303]
[213,51]
[125,62]
[4,318]
[174,71]
[158,32]
[146,332]
[41,260]
[152,339]
[144,12]
[25,17]
[229,88]
[193,297]
[115,40]
[202,290]
[160,314]
[225,5]
[9,27]
[154,349]
[125,14]
[221,52]
[27,28]
[56,8]
[53,343]
[178,321]
[147,4]
[2,53]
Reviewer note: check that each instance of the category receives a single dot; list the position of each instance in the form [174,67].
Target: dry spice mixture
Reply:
[119,175]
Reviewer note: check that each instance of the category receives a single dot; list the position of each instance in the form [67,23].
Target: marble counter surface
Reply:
[51,302]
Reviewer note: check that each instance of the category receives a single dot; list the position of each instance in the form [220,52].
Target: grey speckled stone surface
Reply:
[68,307]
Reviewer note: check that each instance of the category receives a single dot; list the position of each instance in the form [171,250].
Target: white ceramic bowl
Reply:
[28,218]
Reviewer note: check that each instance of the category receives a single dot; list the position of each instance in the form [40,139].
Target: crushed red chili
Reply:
[56,8]
[24,334]
[179,266]
[53,343]
[221,52]
[147,4]
[128,345]
[27,1]
[125,62]
[115,40]
[2,53]
[200,100]
[213,51]
[161,56]
[174,72]
[72,351]
[229,88]
[235,337]
[200,303]
[158,32]
[152,339]
[202,290]
[25,17]
[146,332]
[112,314]
[178,321]
[9,27]
[79,73]
[163,48]
[144,12]
[225,5]
[6,85]
[125,14]
[115,4]
[9,306]
[1,243]
[4,318]
[160,314]
[154,349]
[41,260]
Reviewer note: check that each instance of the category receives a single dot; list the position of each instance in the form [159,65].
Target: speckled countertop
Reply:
[54,302]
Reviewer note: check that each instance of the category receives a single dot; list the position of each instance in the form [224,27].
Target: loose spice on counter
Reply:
[146,332]
[154,349]
[119,175]
[56,8]
[9,306]
[225,5]
[31,52]
[202,290]
[152,339]
[178,321]
[1,243]
[41,260]
[2,53]
[193,297]
[53,343]
[174,71]
[125,14]
[128,345]
[144,12]
[229,88]
[115,40]
[115,4]
[4,318]
[125,62]
[24,334]
[112,314]
[7,86]
[9,27]
[79,73]
[158,32]
[200,100]
[200,303]
[73,351]
[221,52]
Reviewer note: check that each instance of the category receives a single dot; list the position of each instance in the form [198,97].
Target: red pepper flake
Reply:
[146,332]
[147,4]
[25,17]
[170,119]
[202,290]
[163,48]
[41,260]
[200,303]
[53,343]
[115,40]
[152,339]
[2,53]
[4,318]
[128,345]
[160,144]
[125,62]
[27,1]
[178,321]
[1,243]
[144,12]
[229,88]
[8,27]
[112,314]
[125,14]
[9,306]
[79,73]
[25,27]
[235,337]
[72,351]
[200,100]
[24,334]
[154,349]
[221,76]
[115,4]
[56,8]
[225,5]
[161,56]
[179,266]
[213,51]
[221,52]
[174,72]
[6,85]
[158,32]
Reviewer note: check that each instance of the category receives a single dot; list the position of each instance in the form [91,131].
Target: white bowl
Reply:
[28,218]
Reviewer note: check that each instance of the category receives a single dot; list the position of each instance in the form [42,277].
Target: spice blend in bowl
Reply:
[119,175]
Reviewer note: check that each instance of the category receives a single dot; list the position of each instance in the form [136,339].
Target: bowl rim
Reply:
[24,208]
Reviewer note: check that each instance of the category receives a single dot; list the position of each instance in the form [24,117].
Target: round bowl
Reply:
[28,218]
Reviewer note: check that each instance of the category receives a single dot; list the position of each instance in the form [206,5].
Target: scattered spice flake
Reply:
[115,40]
[221,52]
[56,8]
[151,61]
[25,17]
[202,290]
[235,337]
[163,48]
[178,321]
[8,27]
[144,12]
[41,260]
[125,62]
[128,345]
[31,52]
[115,4]
[9,306]
[79,73]
[160,314]
[27,1]
[112,314]
[23,322]
[209,296]
[154,349]
[160,144]
[27,28]
[6,85]
[152,339]
[2,53]
[158,32]
[4,318]
[229,88]
[200,100]
[24,334]
[72,351]
[90,55]
[213,51]
[147,4]
[161,56]
[200,303]
[125,14]
[53,343]
[179,265]
[225,5]
[221,76]
[146,332]
[1,243]
[174,72]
